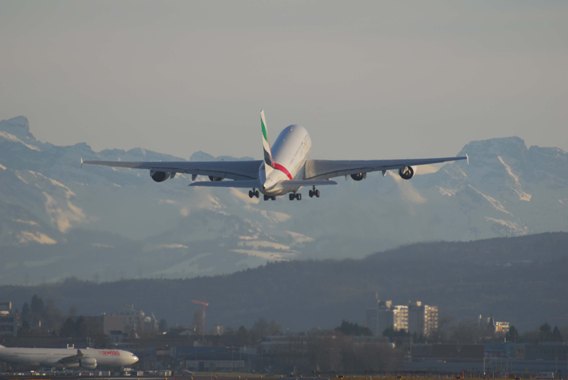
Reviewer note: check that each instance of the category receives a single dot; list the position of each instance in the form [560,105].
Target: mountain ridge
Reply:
[56,216]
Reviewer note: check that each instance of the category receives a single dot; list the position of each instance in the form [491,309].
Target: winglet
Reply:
[467,158]
[265,143]
[82,161]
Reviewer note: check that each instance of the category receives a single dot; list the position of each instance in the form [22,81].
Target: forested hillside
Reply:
[521,279]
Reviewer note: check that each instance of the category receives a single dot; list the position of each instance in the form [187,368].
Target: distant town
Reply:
[390,338]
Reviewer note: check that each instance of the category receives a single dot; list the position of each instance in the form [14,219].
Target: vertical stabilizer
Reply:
[265,143]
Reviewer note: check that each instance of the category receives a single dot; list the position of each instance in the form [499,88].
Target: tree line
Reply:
[43,318]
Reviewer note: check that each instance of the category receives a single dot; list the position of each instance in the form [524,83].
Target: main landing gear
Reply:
[314,193]
[254,193]
[296,196]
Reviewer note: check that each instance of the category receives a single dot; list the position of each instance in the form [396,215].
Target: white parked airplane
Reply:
[68,357]
[285,169]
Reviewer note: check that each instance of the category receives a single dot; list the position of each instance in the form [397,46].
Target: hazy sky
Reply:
[368,79]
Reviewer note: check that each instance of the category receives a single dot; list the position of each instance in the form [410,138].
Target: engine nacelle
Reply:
[215,179]
[359,176]
[88,363]
[159,176]
[406,172]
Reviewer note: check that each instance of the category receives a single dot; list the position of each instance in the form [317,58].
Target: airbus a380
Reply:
[286,167]
[69,357]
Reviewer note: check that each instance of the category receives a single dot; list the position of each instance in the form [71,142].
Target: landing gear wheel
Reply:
[314,193]
[251,194]
[298,197]
[257,193]
[291,196]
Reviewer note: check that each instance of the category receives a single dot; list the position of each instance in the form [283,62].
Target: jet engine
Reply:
[89,363]
[160,176]
[406,172]
[215,179]
[359,176]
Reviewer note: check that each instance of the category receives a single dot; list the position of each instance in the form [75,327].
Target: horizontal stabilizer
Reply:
[249,184]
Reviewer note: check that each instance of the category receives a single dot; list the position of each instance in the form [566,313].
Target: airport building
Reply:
[129,322]
[210,359]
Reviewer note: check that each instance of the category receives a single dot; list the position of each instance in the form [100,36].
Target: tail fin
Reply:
[265,143]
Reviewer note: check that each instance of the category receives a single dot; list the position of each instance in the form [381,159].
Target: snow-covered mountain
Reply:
[59,220]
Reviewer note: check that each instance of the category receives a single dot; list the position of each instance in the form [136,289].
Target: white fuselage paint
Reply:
[289,154]
[52,356]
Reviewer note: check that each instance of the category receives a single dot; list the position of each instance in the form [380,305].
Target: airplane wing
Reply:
[237,170]
[71,359]
[323,169]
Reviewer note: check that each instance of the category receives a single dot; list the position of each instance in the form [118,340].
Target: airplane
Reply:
[69,357]
[285,169]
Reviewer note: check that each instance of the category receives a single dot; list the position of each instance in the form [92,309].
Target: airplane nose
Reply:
[135,359]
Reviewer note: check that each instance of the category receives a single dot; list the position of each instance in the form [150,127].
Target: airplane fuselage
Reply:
[54,356]
[290,152]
